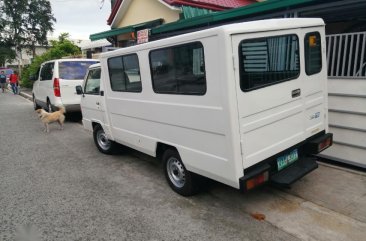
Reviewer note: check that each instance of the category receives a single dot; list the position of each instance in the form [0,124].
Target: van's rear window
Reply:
[268,61]
[74,69]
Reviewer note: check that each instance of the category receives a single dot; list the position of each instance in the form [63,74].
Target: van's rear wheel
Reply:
[101,140]
[179,178]
[49,106]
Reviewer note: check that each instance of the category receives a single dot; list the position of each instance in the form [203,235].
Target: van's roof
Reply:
[227,29]
[71,60]
[273,24]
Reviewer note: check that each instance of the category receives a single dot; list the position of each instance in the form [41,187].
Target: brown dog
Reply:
[47,118]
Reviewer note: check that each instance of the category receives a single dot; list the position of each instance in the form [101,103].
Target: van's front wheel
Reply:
[179,178]
[101,140]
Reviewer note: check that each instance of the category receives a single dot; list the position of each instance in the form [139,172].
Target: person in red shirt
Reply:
[14,82]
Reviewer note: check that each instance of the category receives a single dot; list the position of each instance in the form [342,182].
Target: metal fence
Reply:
[346,55]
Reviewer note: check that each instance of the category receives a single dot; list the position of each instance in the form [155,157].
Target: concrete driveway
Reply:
[57,186]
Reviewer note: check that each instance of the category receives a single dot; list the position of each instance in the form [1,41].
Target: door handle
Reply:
[97,103]
[296,93]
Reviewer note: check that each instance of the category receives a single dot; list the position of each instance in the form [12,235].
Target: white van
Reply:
[242,104]
[55,85]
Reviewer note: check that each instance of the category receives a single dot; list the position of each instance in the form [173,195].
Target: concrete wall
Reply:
[347,120]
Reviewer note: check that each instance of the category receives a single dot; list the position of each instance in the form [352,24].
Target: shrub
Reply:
[59,49]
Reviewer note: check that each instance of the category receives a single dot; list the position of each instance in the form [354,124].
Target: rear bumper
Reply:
[305,163]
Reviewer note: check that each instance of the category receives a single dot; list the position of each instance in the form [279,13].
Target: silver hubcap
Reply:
[176,172]
[103,141]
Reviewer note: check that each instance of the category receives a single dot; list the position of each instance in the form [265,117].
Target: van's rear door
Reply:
[72,73]
[279,105]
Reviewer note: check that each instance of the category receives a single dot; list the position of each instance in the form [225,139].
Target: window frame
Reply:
[123,70]
[179,93]
[241,66]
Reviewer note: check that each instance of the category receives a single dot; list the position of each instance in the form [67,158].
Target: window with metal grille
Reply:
[268,61]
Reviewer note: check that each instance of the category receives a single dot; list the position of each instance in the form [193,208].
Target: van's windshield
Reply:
[74,69]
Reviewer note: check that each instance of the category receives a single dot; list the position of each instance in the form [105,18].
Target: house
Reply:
[346,50]
[128,17]
[91,49]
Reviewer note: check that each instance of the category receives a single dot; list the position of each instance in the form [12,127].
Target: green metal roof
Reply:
[242,12]
[191,12]
[127,29]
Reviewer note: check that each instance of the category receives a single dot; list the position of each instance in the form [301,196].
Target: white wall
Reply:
[347,120]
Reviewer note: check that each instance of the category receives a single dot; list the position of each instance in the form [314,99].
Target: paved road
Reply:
[57,186]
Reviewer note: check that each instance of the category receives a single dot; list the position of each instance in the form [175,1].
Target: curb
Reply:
[25,95]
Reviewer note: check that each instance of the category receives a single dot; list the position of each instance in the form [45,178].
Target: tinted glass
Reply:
[179,70]
[132,73]
[313,54]
[74,69]
[267,61]
[47,71]
[124,73]
[117,78]
[92,85]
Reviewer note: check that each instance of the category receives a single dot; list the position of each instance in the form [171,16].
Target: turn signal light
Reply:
[257,180]
[56,87]
[312,41]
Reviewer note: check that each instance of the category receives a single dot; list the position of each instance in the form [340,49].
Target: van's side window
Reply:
[179,70]
[92,85]
[124,73]
[268,61]
[313,53]
[47,71]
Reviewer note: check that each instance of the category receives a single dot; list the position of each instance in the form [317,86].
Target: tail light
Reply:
[324,144]
[319,144]
[56,87]
[256,181]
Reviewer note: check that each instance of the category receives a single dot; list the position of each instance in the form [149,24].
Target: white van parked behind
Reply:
[56,81]
[243,104]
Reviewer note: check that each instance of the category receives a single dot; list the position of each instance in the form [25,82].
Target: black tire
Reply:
[179,178]
[49,106]
[104,145]
[35,105]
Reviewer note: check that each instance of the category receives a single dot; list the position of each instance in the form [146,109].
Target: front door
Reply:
[92,101]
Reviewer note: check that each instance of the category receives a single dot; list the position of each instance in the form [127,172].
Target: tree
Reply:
[40,22]
[6,54]
[25,23]
[61,48]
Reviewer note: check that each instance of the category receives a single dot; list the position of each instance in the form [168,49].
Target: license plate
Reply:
[287,159]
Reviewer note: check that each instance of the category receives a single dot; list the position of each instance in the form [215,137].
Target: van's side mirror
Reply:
[79,90]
